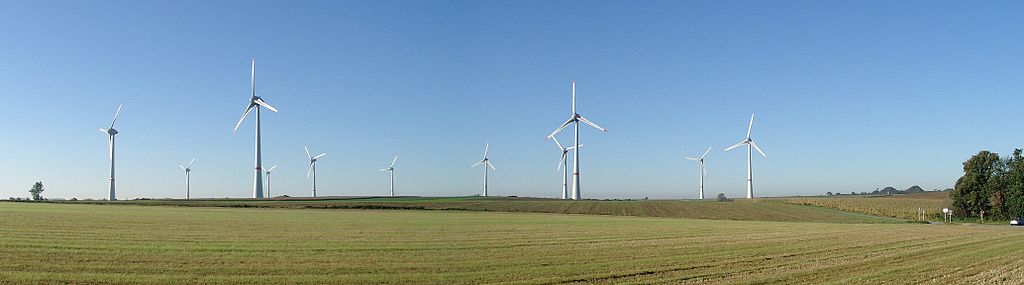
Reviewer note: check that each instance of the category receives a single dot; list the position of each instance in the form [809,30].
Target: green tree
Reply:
[722,198]
[37,191]
[1014,185]
[979,182]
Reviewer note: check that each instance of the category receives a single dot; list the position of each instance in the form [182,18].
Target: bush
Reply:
[722,198]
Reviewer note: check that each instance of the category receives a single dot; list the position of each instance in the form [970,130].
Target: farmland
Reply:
[900,206]
[747,210]
[128,244]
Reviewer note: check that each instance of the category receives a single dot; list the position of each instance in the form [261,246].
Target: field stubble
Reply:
[59,243]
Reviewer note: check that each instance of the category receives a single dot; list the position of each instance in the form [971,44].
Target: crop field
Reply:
[127,244]
[899,206]
[746,210]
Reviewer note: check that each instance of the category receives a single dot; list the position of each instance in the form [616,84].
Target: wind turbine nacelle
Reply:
[111,131]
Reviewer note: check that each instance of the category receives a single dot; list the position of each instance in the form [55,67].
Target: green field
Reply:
[895,206]
[94,244]
[745,210]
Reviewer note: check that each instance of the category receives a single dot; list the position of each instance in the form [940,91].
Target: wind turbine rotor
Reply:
[753,144]
[592,124]
[751,126]
[736,145]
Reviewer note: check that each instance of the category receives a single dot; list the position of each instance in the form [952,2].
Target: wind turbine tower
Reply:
[255,102]
[703,172]
[575,120]
[111,132]
[750,143]
[268,180]
[392,170]
[563,167]
[188,173]
[312,167]
[486,163]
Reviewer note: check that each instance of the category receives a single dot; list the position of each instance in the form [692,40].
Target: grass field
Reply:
[745,210]
[93,244]
[895,206]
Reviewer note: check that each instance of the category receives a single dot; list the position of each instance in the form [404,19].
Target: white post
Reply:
[485,177]
[111,194]
[565,179]
[257,182]
[750,179]
[576,157]
[701,173]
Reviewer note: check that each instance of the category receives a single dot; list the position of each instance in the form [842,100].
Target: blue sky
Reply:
[849,95]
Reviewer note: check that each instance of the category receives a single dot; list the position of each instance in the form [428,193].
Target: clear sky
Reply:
[849,95]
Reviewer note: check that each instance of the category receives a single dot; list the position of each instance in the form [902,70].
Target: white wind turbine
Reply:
[111,132]
[487,163]
[575,120]
[703,172]
[563,167]
[750,143]
[188,177]
[392,170]
[268,180]
[256,102]
[312,167]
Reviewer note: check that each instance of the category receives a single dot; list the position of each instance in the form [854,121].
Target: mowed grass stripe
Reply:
[169,245]
[745,210]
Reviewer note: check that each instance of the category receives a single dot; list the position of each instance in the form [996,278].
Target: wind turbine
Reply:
[268,180]
[188,170]
[111,132]
[563,167]
[487,163]
[575,120]
[255,102]
[312,167]
[750,143]
[703,172]
[392,170]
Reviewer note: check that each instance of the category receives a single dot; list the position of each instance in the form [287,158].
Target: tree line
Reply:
[991,186]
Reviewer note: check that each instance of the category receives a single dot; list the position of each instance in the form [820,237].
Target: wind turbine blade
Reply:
[272,168]
[757,148]
[560,147]
[182,167]
[104,131]
[559,129]
[592,124]
[383,169]
[307,152]
[247,110]
[705,170]
[736,145]
[491,165]
[310,170]
[118,112]
[560,161]
[190,162]
[393,161]
[574,97]
[574,147]
[692,158]
[475,164]
[253,77]
[320,155]
[706,152]
[751,126]
[486,147]
[264,104]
